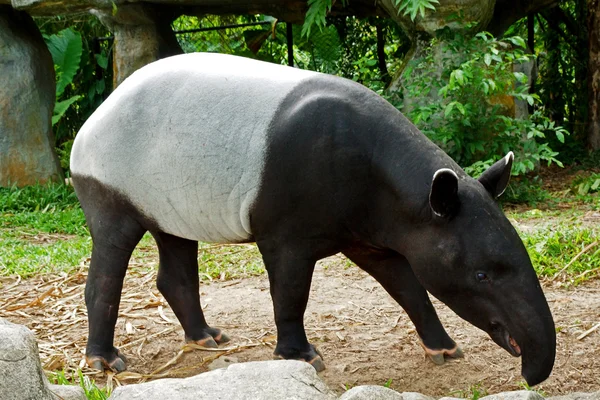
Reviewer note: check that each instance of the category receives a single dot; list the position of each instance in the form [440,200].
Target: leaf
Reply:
[518,41]
[560,136]
[102,60]
[448,109]
[61,107]
[487,58]
[315,15]
[414,7]
[66,48]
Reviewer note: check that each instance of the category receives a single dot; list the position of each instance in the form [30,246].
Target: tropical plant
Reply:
[65,48]
[467,105]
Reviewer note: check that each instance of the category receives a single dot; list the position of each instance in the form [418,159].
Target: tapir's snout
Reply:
[529,333]
[539,349]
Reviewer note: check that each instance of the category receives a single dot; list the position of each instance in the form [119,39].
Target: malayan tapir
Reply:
[224,149]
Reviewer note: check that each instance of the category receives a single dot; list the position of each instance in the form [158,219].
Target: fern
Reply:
[414,7]
[315,15]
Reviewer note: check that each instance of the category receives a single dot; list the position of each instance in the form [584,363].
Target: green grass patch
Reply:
[229,261]
[37,198]
[91,390]
[28,253]
[571,250]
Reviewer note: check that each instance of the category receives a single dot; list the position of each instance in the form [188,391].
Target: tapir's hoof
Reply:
[439,356]
[115,361]
[213,338]
[313,357]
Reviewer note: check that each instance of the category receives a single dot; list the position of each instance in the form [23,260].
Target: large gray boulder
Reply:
[27,93]
[21,374]
[280,379]
[370,392]
[516,395]
[577,396]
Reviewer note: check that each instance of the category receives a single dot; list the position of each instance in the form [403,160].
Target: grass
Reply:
[42,230]
[574,251]
[92,392]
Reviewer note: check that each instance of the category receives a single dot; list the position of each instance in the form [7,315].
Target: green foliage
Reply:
[225,262]
[66,48]
[586,185]
[315,15]
[527,191]
[551,252]
[466,107]
[38,198]
[27,252]
[51,208]
[474,392]
[91,390]
[81,85]
[414,7]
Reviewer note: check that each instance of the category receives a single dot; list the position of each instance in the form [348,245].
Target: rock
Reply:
[143,34]
[27,95]
[577,396]
[415,396]
[280,379]
[222,362]
[369,392]
[21,375]
[516,395]
[64,392]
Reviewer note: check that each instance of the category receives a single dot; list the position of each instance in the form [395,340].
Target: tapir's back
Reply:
[184,139]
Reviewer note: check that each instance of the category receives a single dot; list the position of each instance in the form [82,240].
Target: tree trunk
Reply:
[593,23]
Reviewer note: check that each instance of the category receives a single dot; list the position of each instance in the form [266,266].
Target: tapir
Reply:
[224,149]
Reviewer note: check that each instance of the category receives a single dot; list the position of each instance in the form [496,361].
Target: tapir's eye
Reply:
[481,277]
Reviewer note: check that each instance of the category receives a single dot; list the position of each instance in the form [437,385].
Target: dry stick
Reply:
[592,329]
[585,249]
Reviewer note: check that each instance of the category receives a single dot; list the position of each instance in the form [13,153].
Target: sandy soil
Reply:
[365,337]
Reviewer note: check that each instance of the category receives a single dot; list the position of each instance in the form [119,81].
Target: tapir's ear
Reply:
[443,197]
[496,178]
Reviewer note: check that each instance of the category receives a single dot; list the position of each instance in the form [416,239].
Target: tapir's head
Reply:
[471,258]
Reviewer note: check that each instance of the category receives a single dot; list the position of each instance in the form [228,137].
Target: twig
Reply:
[592,329]
[585,249]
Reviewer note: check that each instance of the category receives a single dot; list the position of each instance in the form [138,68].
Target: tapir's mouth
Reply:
[501,336]
[513,348]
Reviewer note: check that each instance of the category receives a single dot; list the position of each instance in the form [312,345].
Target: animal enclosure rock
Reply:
[368,392]
[281,379]
[21,375]
[577,396]
[27,92]
[517,395]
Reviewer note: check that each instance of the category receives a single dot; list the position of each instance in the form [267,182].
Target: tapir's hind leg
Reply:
[396,276]
[178,281]
[114,237]
[290,273]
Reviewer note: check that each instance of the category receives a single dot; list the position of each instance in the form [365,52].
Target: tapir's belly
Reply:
[187,148]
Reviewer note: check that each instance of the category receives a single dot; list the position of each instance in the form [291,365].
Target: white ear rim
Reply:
[436,173]
[442,170]
[509,157]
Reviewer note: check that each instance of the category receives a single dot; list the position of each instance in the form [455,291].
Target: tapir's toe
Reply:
[208,343]
[210,338]
[438,356]
[313,357]
[114,361]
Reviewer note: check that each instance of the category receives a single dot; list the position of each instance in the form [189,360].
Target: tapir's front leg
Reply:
[396,276]
[290,272]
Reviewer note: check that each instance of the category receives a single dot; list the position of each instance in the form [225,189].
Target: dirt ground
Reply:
[365,337]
